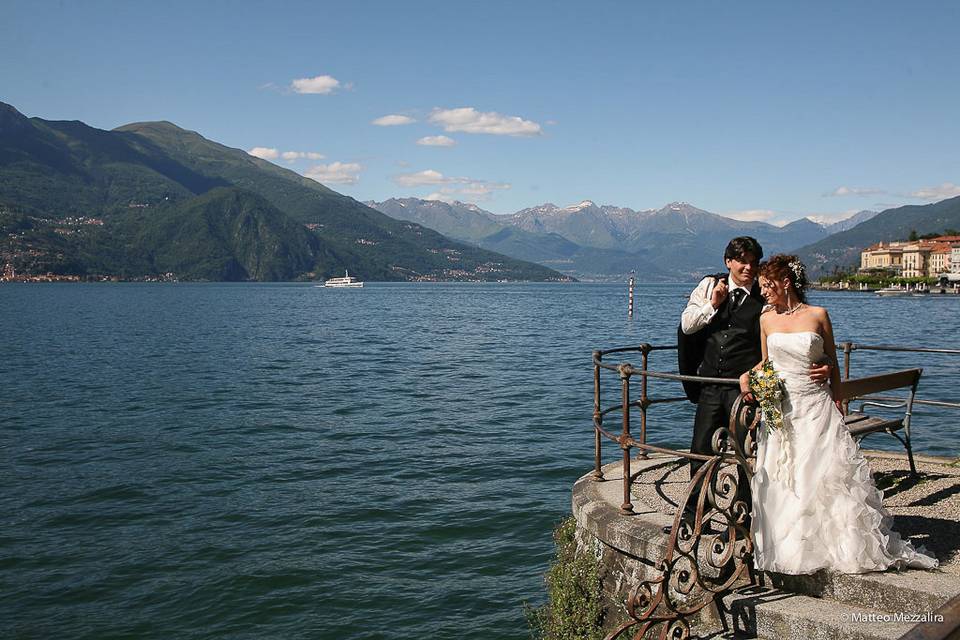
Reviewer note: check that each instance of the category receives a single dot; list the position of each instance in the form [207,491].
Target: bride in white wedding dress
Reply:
[815,505]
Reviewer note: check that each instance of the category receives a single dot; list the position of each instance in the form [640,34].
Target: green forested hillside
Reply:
[163,199]
[225,234]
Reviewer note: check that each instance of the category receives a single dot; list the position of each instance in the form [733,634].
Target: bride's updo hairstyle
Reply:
[783,266]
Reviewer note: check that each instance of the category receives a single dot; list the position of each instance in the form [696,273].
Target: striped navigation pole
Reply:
[630,298]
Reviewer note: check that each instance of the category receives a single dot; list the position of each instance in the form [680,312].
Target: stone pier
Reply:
[822,605]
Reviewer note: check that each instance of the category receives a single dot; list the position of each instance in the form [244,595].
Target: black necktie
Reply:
[737,297]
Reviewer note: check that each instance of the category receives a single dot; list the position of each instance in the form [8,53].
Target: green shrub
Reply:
[574,609]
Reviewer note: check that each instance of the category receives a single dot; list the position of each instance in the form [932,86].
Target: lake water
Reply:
[284,461]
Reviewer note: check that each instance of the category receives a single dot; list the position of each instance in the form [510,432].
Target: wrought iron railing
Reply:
[710,549]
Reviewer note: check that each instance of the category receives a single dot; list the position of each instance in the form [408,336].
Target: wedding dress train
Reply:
[815,504]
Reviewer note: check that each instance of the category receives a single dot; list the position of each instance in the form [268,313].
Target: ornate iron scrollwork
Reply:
[710,549]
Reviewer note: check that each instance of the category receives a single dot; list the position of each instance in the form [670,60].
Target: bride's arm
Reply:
[830,348]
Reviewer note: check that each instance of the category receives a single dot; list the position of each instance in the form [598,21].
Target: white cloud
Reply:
[420,178]
[264,153]
[940,192]
[442,197]
[317,84]
[393,120]
[830,218]
[470,120]
[753,215]
[436,141]
[335,172]
[270,153]
[453,187]
[480,190]
[477,190]
[853,191]
[945,190]
[291,156]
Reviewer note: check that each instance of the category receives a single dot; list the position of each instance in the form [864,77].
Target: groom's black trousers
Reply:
[713,412]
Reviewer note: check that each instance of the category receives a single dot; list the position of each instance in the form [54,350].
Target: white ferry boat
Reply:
[346,281]
[894,291]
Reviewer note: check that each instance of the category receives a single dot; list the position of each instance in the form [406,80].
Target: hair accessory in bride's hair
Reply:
[799,273]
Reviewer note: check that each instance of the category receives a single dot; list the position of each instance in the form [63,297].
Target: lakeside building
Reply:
[882,256]
[916,260]
[928,258]
[940,258]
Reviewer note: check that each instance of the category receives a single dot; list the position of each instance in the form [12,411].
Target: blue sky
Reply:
[756,110]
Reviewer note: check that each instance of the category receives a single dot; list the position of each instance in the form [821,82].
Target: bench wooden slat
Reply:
[853,417]
[867,425]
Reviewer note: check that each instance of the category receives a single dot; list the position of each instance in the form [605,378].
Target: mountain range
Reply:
[152,198]
[676,242]
[149,199]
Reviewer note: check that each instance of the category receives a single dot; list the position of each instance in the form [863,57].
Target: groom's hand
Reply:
[719,294]
[820,373]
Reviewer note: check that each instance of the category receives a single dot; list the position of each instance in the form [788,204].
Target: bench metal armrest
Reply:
[874,403]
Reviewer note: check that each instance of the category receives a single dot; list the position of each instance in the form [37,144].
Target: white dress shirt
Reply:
[699,310]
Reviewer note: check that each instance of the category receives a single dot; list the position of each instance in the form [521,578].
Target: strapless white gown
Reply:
[815,505]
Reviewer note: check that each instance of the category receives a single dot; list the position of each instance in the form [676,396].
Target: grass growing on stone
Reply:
[573,610]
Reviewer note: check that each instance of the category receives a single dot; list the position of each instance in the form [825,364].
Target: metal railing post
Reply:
[627,507]
[847,349]
[644,400]
[597,417]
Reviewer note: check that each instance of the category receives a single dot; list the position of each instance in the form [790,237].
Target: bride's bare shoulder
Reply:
[820,313]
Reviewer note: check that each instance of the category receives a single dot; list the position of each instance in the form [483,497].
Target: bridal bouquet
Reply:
[767,387]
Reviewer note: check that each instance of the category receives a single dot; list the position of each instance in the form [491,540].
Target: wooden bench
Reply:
[861,425]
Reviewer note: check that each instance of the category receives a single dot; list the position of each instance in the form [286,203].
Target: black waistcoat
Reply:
[733,338]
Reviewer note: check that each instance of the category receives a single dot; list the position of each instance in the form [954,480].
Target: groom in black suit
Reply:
[723,318]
